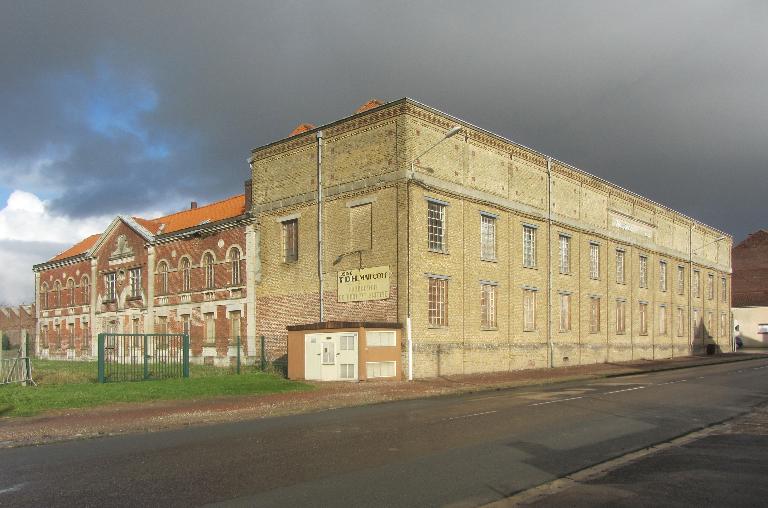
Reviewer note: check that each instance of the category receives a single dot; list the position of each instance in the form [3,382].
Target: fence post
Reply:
[101,358]
[263,358]
[238,354]
[185,353]
[146,356]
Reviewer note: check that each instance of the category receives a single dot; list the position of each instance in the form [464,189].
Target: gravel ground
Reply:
[147,417]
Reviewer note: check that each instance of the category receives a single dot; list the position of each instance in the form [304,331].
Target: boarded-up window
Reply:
[360,227]
[290,240]
[210,328]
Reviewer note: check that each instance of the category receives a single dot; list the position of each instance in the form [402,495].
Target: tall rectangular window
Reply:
[723,289]
[643,318]
[643,271]
[662,320]
[161,324]
[488,306]
[680,321]
[487,237]
[436,226]
[290,240]
[565,254]
[696,284]
[620,267]
[185,324]
[680,280]
[710,324]
[529,310]
[565,312]
[662,275]
[710,286]
[234,326]
[210,328]
[594,261]
[438,301]
[594,314]
[110,281]
[529,246]
[134,277]
[696,324]
[621,316]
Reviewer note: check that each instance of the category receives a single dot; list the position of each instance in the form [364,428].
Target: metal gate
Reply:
[142,356]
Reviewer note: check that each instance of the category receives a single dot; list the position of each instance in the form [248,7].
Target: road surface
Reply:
[461,450]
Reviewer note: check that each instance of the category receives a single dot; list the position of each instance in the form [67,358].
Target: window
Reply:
[621,316]
[643,271]
[234,326]
[488,306]
[210,328]
[594,261]
[438,301]
[710,286]
[360,227]
[680,280]
[379,369]
[57,331]
[57,294]
[234,260]
[487,237]
[71,292]
[185,324]
[529,310]
[110,280]
[436,226]
[85,290]
[134,277]
[162,269]
[45,337]
[290,240]
[347,371]
[696,283]
[662,275]
[723,324]
[643,318]
[380,339]
[723,289]
[594,314]
[710,324]
[186,268]
[136,326]
[208,262]
[680,321]
[565,312]
[619,266]
[44,295]
[662,320]
[71,334]
[161,325]
[696,324]
[347,343]
[529,246]
[565,254]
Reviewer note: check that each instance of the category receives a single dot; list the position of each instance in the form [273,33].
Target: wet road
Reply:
[459,450]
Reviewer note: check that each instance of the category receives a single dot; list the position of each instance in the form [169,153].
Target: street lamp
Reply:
[452,132]
[690,280]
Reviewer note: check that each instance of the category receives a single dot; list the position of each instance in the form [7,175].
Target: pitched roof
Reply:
[373,103]
[302,127]
[79,248]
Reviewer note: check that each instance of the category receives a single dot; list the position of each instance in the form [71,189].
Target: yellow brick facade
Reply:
[366,160]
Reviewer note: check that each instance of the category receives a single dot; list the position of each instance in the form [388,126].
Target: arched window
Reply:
[185,268]
[234,258]
[162,269]
[44,295]
[208,266]
[71,292]
[85,290]
[57,294]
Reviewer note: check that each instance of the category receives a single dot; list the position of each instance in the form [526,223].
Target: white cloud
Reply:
[17,282]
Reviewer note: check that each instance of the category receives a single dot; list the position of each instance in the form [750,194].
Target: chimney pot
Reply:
[193,205]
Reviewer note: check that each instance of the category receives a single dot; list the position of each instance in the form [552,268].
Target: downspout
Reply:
[320,221]
[691,329]
[408,324]
[549,261]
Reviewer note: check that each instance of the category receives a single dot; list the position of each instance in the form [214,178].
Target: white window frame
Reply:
[643,269]
[110,283]
[662,275]
[680,280]
[134,279]
[565,254]
[529,246]
[437,301]
[487,236]
[621,266]
[437,218]
[290,240]
[594,260]
[488,306]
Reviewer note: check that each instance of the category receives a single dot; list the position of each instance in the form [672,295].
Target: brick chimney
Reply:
[248,187]
[193,205]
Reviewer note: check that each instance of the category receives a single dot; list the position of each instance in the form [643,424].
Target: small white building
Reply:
[750,290]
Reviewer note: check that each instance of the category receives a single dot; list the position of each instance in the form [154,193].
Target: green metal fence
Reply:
[138,357]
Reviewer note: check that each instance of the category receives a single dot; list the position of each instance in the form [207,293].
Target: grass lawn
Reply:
[63,385]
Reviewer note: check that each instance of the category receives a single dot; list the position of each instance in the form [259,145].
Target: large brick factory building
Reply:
[488,255]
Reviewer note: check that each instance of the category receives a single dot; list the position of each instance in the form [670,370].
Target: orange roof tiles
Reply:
[220,210]
[79,248]
[302,127]
[373,103]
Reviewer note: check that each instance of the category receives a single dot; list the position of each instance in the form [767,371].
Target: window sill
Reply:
[437,327]
[437,251]
[109,301]
[532,330]
[489,260]
[133,298]
[531,267]
[490,329]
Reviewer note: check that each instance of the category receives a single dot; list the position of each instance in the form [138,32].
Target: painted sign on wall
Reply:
[364,284]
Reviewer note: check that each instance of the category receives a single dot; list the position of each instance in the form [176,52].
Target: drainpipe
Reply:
[549,262]
[320,220]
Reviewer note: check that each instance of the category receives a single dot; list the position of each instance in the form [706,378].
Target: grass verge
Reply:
[69,385]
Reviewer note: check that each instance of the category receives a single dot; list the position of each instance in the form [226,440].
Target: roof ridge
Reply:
[198,208]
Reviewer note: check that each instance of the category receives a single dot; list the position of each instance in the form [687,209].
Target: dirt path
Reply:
[147,417]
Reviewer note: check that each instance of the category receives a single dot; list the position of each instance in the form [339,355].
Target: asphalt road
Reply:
[459,451]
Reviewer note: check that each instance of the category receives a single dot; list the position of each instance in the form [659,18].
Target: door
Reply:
[347,356]
[312,356]
[328,364]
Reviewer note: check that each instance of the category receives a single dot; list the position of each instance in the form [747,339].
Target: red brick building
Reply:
[184,272]
[750,289]
[15,322]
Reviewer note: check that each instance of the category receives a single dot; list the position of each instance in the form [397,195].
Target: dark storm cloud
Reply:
[140,103]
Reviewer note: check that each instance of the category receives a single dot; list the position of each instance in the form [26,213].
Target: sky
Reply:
[140,107]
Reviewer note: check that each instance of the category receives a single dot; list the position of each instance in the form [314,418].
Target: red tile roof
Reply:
[79,248]
[373,103]
[302,127]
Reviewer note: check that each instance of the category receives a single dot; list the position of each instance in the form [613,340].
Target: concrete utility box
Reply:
[345,351]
